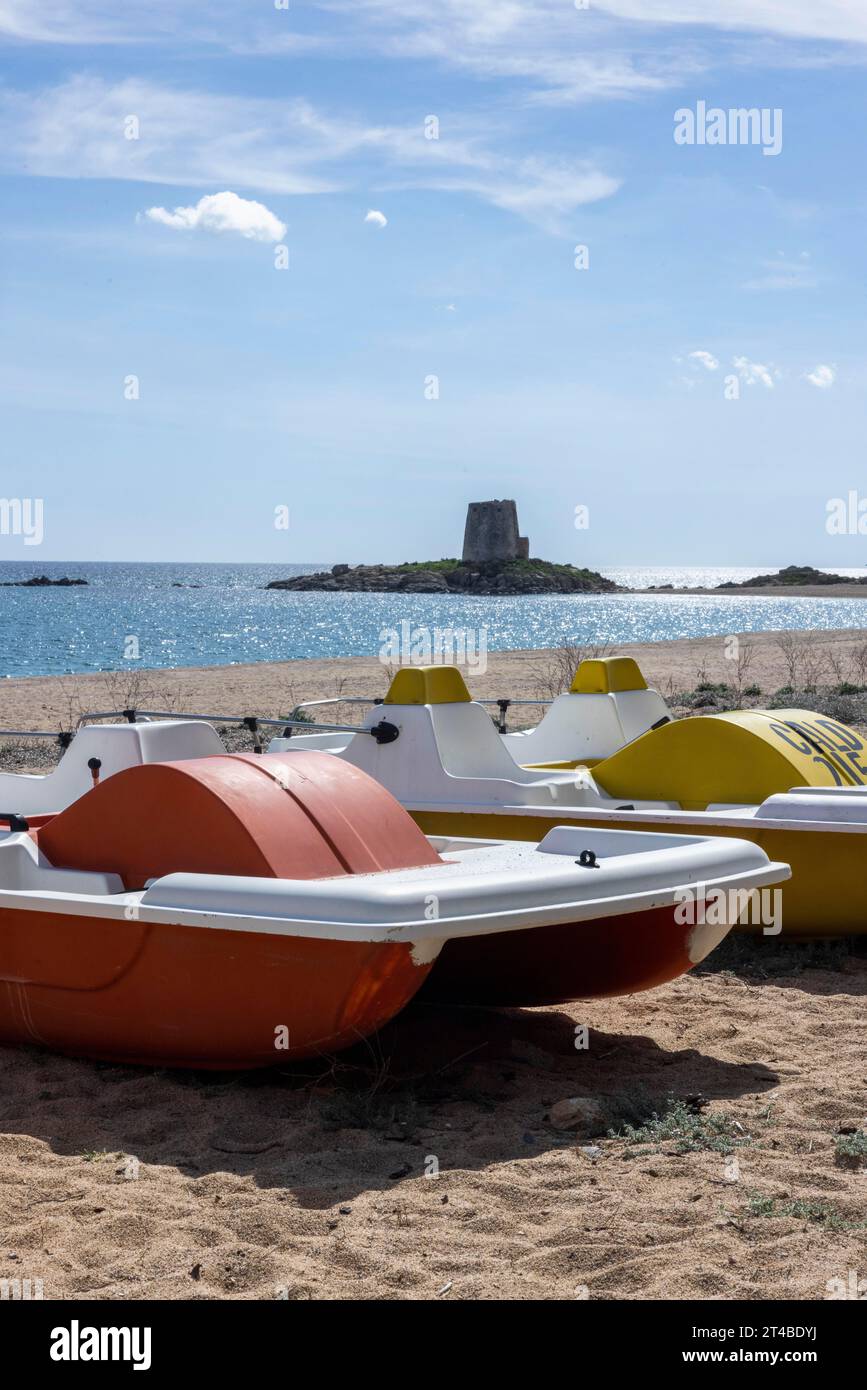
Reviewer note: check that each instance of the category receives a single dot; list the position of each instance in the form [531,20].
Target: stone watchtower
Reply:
[491,533]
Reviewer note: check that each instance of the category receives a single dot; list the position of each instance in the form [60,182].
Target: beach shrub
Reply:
[688,1127]
[370,1109]
[698,699]
[850,1150]
[846,709]
[820,1213]
[302,716]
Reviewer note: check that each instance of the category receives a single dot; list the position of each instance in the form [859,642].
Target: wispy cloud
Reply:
[564,55]
[784,272]
[542,191]
[83,129]
[753,373]
[88,22]
[559,54]
[705,359]
[224,212]
[820,19]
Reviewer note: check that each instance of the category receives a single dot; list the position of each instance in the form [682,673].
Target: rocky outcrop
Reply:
[791,575]
[41,582]
[501,577]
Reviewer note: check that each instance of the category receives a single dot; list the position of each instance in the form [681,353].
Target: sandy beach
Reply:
[274,688]
[429,1163]
[126,1184]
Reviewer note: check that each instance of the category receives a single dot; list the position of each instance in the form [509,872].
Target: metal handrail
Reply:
[62,736]
[343,700]
[504,704]
[30,733]
[509,701]
[250,721]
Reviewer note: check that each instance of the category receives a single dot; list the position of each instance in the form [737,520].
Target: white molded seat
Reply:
[580,727]
[117,746]
[443,744]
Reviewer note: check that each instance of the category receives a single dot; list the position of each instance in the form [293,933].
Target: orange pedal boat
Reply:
[244,910]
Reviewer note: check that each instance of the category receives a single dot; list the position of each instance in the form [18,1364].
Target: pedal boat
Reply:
[792,781]
[245,910]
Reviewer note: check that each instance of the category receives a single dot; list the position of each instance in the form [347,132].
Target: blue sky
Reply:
[260,387]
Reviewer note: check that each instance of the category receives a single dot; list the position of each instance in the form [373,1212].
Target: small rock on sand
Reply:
[579,1112]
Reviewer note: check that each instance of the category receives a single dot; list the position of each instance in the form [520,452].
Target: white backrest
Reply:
[449,754]
[576,727]
[468,742]
[117,746]
[637,711]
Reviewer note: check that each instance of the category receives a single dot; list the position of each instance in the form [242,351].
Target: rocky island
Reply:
[452,576]
[41,581]
[792,575]
[495,561]
[793,581]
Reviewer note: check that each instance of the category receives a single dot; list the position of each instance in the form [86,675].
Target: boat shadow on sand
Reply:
[446,1087]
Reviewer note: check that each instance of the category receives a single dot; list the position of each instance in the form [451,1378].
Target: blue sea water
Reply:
[231,617]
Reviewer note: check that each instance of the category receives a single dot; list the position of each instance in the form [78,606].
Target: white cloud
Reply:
[565,55]
[707,359]
[77,130]
[411,25]
[539,190]
[559,54]
[822,375]
[821,19]
[195,140]
[224,212]
[378,219]
[752,372]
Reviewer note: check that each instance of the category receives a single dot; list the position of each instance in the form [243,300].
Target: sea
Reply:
[167,615]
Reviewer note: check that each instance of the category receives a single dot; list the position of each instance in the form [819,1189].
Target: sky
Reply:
[357,263]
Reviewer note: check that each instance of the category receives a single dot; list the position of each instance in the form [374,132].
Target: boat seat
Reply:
[117,746]
[469,746]
[445,738]
[608,705]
